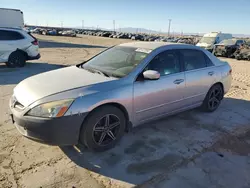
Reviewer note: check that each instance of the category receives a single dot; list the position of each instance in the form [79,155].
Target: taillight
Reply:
[35,42]
[230,71]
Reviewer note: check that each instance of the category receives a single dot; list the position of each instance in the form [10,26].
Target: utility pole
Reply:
[114,25]
[82,24]
[169,25]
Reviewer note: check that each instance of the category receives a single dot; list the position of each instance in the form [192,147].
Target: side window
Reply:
[193,59]
[2,35]
[165,63]
[10,35]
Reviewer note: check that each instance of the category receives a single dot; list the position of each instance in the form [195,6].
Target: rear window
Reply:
[32,36]
[10,35]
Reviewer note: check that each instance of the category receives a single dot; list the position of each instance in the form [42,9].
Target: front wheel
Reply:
[103,128]
[213,98]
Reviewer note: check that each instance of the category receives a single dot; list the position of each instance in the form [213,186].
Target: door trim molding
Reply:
[151,108]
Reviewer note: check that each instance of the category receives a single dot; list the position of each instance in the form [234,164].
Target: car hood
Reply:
[56,81]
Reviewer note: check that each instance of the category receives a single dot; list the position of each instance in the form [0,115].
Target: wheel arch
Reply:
[19,50]
[218,83]
[119,106]
[23,52]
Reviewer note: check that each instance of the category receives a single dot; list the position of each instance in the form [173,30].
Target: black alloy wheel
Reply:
[103,128]
[106,129]
[213,98]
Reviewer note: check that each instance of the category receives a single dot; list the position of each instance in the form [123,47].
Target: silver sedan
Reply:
[95,102]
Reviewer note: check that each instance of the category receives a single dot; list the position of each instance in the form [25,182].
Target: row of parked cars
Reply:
[53,32]
[140,37]
[229,47]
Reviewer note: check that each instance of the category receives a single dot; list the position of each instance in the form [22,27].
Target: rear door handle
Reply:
[211,73]
[178,81]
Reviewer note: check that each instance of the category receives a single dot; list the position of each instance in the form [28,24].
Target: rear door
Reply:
[200,75]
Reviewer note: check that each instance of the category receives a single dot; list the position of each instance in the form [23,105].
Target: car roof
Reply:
[12,28]
[150,45]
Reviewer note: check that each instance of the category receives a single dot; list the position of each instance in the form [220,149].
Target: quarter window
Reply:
[165,63]
[10,35]
[193,59]
[208,61]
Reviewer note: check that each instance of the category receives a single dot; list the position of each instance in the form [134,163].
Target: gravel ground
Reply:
[191,149]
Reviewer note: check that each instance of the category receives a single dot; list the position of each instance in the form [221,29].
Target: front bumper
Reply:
[54,131]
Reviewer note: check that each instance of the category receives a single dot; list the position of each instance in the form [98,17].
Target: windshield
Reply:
[118,61]
[208,40]
[228,42]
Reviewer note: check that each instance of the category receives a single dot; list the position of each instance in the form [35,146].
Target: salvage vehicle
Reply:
[243,53]
[17,46]
[96,101]
[226,48]
[210,39]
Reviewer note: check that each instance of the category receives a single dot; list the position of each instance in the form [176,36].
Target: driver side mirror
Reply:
[151,75]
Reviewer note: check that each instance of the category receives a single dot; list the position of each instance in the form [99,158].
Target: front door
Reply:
[154,98]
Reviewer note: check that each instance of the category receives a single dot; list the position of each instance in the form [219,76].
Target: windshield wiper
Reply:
[96,71]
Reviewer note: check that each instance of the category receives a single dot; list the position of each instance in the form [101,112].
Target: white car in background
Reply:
[209,40]
[17,46]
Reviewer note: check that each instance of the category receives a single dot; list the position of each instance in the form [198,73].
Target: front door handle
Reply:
[211,73]
[178,81]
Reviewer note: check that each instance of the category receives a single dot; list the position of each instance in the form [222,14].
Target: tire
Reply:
[92,139]
[16,59]
[213,97]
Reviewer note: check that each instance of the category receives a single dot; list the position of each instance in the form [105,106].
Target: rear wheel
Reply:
[103,128]
[213,98]
[16,59]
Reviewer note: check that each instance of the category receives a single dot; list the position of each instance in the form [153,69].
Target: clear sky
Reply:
[196,16]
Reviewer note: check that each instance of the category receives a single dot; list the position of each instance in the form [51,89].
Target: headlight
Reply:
[51,109]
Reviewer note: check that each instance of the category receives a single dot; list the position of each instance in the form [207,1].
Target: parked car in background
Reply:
[69,33]
[243,52]
[17,46]
[210,39]
[226,48]
[95,102]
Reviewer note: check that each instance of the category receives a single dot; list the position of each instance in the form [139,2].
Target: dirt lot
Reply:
[191,149]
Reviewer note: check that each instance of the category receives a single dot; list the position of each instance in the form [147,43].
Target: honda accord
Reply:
[96,101]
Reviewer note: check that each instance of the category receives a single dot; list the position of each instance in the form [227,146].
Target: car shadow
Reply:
[15,75]
[157,146]
[53,44]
